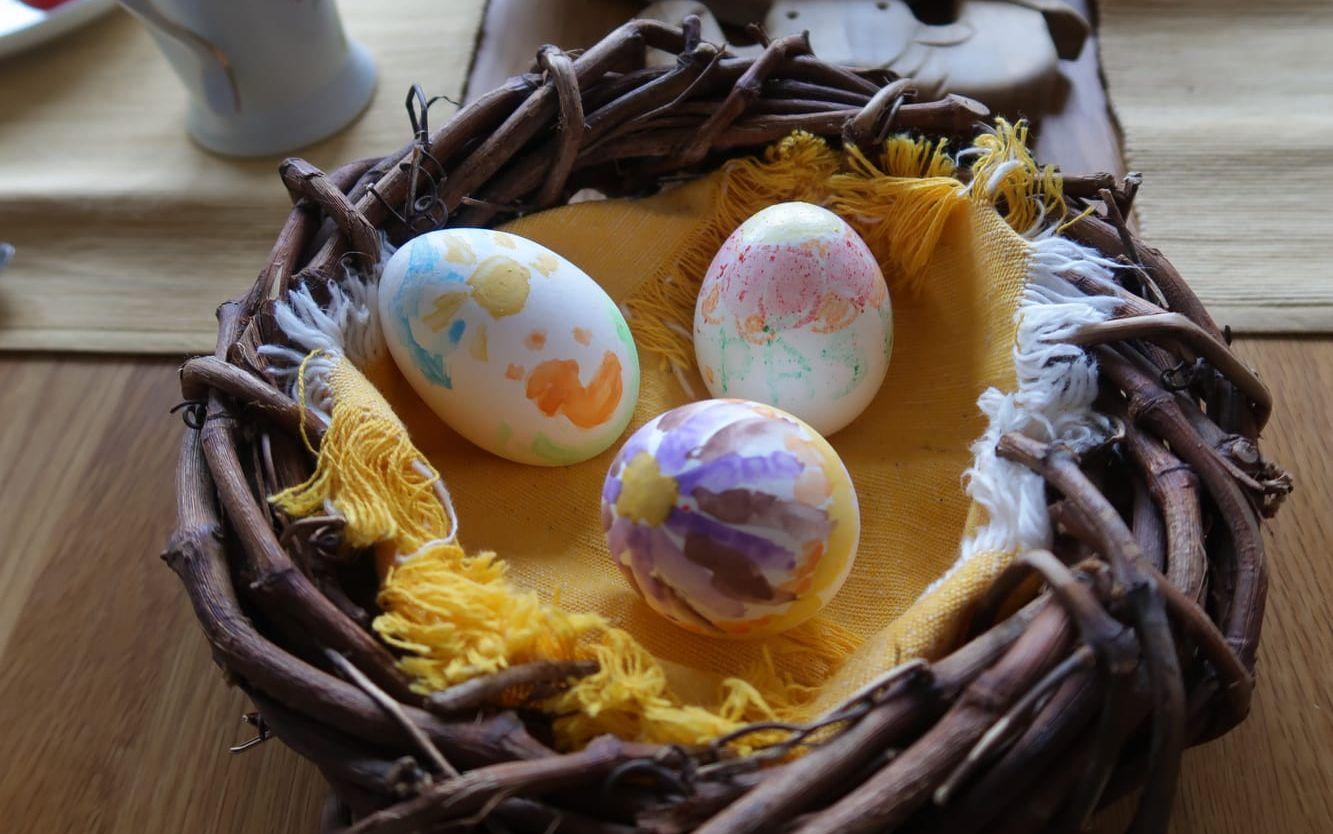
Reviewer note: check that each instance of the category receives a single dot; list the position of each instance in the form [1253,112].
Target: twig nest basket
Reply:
[1077,672]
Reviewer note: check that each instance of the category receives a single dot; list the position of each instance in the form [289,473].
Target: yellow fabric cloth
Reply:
[956,269]
[906,454]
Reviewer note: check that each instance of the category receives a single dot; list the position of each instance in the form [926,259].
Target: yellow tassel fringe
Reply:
[898,203]
[365,452]
[456,616]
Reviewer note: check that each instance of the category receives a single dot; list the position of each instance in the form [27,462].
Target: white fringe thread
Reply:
[348,325]
[1057,383]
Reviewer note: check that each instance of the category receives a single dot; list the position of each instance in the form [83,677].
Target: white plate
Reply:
[22,26]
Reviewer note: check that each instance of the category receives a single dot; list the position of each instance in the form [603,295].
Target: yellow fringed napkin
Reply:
[956,269]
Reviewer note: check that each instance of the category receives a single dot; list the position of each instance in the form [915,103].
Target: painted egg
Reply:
[794,312]
[510,344]
[731,518]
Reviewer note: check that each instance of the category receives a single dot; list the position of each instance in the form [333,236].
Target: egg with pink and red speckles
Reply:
[794,312]
[731,518]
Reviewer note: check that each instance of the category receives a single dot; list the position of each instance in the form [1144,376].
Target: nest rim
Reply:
[1139,648]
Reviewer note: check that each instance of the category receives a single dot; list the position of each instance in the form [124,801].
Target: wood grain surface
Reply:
[114,719]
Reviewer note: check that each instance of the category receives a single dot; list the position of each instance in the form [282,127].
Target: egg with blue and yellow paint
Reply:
[794,312]
[510,344]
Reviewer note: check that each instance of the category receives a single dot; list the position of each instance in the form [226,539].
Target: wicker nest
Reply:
[1141,643]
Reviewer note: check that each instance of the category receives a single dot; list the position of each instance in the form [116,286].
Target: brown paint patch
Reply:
[514,372]
[536,340]
[555,388]
[736,435]
[760,509]
[582,336]
[733,574]
[684,612]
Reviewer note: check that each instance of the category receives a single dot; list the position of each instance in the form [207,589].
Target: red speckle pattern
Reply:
[771,286]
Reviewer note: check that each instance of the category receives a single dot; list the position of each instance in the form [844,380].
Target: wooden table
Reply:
[113,717]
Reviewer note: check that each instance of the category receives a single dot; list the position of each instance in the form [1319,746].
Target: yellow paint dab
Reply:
[457,251]
[446,304]
[479,351]
[500,285]
[646,495]
[504,239]
[546,263]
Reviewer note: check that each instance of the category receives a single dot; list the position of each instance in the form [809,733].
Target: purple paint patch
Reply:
[612,485]
[681,442]
[736,469]
[758,550]
[738,435]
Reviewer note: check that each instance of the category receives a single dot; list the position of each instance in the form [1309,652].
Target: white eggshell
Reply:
[510,344]
[794,312]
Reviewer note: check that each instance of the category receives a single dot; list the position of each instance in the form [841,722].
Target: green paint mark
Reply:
[622,332]
[843,350]
[784,362]
[503,433]
[886,316]
[737,357]
[554,453]
[723,366]
[621,327]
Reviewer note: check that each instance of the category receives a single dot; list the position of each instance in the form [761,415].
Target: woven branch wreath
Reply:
[1077,671]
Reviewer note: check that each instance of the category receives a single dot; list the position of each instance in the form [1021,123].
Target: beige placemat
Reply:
[1227,109]
[127,234]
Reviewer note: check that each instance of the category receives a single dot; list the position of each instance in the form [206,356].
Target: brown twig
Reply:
[481,691]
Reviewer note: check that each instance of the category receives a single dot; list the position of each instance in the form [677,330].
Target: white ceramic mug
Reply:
[265,76]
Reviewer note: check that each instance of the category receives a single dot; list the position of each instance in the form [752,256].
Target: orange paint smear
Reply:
[555,388]
[514,371]
[536,340]
[582,336]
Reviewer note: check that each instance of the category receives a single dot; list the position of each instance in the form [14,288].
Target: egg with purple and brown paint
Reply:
[731,518]
[513,346]
[794,312]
